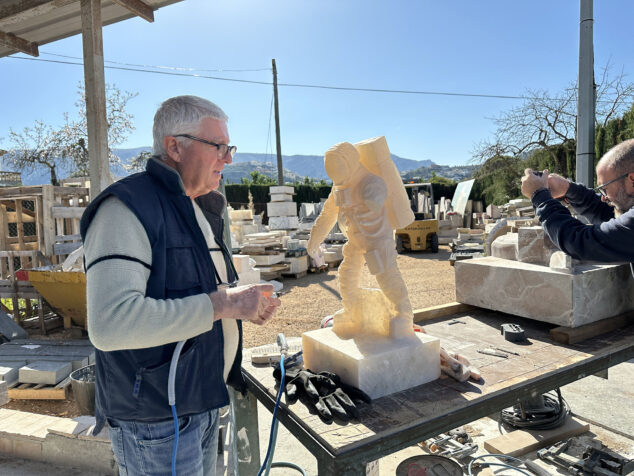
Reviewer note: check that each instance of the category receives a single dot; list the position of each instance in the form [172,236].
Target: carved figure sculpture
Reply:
[369,201]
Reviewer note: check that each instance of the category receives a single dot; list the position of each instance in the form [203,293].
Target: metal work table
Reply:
[405,418]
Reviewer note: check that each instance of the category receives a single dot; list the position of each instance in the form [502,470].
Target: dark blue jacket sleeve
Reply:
[609,242]
[589,204]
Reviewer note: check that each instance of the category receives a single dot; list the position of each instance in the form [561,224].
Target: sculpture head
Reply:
[341,161]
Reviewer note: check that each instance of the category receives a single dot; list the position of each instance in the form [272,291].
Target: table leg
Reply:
[246,436]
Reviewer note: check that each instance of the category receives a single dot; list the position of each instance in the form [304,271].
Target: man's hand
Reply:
[253,302]
[531,182]
[558,185]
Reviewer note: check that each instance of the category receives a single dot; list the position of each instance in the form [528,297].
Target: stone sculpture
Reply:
[369,201]
[372,344]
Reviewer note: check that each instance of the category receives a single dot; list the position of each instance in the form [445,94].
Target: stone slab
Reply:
[297,264]
[588,294]
[377,365]
[281,209]
[534,246]
[282,189]
[251,276]
[235,215]
[266,260]
[283,223]
[10,329]
[281,197]
[46,372]
[4,392]
[9,373]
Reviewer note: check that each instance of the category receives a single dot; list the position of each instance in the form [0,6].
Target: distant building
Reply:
[10,179]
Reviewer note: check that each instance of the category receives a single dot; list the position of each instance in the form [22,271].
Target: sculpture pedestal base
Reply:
[377,365]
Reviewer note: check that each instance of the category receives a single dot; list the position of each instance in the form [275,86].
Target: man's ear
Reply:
[172,148]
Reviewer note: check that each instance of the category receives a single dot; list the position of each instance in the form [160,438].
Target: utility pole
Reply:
[586,98]
[280,168]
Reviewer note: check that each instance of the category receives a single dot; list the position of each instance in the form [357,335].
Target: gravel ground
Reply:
[305,301]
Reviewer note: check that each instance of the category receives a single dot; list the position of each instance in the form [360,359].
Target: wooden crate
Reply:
[42,217]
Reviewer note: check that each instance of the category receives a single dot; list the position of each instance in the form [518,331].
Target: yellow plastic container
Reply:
[65,291]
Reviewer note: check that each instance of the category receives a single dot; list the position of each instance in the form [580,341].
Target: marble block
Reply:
[281,197]
[235,215]
[534,246]
[44,371]
[378,365]
[265,260]
[281,189]
[492,211]
[8,374]
[251,276]
[284,223]
[297,264]
[4,393]
[241,262]
[505,247]
[587,294]
[281,209]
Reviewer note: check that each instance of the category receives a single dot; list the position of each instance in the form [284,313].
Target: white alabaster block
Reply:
[282,189]
[281,197]
[241,262]
[251,276]
[587,294]
[378,365]
[284,223]
[235,215]
[266,260]
[298,264]
[505,247]
[281,209]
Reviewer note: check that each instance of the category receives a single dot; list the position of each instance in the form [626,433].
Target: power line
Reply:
[294,85]
[172,68]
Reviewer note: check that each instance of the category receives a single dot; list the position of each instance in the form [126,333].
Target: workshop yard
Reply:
[305,301]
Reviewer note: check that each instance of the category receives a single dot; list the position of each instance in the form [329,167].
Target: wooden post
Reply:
[19,224]
[280,167]
[95,96]
[4,227]
[48,223]
[40,312]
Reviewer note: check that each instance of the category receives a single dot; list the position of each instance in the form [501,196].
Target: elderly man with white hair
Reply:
[163,309]
[609,208]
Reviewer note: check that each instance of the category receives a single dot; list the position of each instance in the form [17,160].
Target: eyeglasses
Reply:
[223,149]
[601,188]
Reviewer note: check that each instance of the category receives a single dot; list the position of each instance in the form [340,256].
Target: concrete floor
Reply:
[606,403]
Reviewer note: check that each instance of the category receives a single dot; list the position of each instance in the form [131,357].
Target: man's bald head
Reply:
[619,159]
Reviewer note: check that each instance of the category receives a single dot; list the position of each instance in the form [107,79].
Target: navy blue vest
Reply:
[132,384]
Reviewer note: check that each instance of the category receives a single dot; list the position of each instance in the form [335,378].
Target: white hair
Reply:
[182,115]
[620,158]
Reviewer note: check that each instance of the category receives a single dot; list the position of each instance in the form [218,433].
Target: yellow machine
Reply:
[422,233]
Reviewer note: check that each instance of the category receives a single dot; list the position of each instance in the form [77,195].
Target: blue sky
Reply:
[481,47]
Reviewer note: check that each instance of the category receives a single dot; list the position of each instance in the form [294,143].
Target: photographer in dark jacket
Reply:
[609,208]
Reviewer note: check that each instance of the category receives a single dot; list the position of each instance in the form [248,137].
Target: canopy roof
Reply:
[27,24]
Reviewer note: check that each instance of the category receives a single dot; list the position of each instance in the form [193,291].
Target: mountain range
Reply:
[296,167]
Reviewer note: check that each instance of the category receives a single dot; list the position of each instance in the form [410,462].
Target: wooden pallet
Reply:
[318,269]
[301,274]
[40,391]
[334,264]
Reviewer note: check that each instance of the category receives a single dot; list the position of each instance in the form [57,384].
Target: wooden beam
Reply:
[11,41]
[94,79]
[138,7]
[19,10]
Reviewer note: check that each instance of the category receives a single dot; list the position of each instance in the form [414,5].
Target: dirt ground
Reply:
[305,301]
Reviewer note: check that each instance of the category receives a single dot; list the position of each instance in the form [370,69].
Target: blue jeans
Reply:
[146,448]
